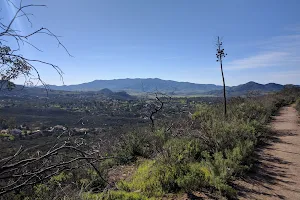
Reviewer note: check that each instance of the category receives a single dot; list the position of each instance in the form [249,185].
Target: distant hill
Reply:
[138,85]
[115,95]
[21,91]
[243,89]
[257,87]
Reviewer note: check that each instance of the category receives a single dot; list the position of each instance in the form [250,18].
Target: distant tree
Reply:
[220,55]
[12,63]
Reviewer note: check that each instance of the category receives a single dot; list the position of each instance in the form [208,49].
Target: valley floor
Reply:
[277,174]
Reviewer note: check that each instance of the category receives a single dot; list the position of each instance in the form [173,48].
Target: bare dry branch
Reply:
[29,171]
[14,65]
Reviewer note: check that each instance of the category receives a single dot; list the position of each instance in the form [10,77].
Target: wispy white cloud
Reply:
[277,51]
[265,59]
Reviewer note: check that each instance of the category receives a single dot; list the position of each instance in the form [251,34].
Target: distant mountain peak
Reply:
[106,91]
[252,83]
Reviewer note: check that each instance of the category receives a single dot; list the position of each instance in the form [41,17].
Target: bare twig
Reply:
[13,65]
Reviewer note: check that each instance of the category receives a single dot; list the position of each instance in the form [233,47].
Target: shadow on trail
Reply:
[267,169]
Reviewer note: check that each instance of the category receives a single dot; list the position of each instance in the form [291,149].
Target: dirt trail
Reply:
[277,172]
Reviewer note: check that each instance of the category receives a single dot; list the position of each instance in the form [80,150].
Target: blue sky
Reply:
[167,39]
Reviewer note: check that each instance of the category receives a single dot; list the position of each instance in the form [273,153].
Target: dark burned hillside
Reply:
[104,109]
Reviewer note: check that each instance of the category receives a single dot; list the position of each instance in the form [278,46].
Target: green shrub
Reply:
[195,178]
[182,150]
[147,180]
[9,136]
[114,195]
[63,176]
[134,145]
[138,144]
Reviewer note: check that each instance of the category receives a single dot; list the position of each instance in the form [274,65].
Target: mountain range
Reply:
[138,85]
[248,87]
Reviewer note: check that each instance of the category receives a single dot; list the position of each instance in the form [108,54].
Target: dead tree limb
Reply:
[157,106]
[13,64]
[17,172]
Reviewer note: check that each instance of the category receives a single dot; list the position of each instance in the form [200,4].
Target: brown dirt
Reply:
[277,172]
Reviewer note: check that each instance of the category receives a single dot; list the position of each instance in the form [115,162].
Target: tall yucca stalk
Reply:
[220,55]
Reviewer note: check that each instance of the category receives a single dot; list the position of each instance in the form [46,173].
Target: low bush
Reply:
[153,179]
[114,195]
[145,143]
